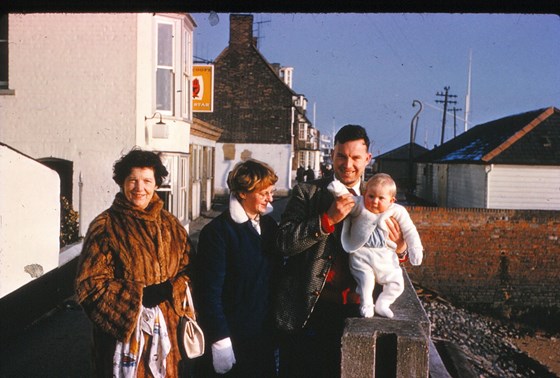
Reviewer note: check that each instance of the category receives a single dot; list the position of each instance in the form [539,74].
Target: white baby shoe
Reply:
[384,310]
[366,311]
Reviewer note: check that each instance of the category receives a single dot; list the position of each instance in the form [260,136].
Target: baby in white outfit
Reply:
[365,236]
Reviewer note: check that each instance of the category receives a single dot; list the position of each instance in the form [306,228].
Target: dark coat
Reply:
[310,253]
[125,249]
[235,269]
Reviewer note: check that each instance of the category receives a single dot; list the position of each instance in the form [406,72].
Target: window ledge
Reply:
[7,92]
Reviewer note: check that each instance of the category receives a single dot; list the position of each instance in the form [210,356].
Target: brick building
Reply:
[259,112]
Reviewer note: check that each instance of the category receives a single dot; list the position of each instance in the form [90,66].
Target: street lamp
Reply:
[412,137]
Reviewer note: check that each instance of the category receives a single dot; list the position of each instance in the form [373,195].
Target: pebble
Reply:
[485,341]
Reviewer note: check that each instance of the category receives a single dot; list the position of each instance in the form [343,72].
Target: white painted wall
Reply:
[491,186]
[84,84]
[75,90]
[278,156]
[524,187]
[29,220]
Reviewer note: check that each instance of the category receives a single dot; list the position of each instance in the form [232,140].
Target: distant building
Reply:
[398,164]
[83,89]
[261,116]
[509,163]
[326,146]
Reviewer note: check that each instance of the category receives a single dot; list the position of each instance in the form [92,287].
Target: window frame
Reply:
[4,53]
[161,21]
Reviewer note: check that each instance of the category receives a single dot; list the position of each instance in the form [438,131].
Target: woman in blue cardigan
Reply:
[234,272]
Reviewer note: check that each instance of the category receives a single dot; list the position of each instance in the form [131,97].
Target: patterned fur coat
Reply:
[125,249]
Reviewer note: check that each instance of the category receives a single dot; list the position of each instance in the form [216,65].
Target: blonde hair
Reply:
[384,180]
[249,176]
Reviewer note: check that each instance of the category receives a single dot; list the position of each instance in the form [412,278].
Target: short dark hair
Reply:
[351,132]
[138,158]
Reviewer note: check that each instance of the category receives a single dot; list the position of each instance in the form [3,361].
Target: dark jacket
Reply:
[234,270]
[310,253]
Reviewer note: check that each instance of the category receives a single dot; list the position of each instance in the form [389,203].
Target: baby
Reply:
[372,253]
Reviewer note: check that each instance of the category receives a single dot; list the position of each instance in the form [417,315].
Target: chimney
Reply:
[240,30]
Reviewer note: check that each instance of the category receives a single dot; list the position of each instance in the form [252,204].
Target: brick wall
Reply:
[503,261]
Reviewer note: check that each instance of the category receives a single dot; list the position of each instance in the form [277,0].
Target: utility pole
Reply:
[445,101]
[455,110]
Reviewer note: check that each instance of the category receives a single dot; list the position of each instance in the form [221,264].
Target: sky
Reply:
[369,68]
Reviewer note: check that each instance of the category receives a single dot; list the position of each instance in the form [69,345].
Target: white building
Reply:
[509,163]
[83,89]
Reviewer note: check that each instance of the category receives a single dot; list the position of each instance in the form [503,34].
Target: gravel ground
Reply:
[487,343]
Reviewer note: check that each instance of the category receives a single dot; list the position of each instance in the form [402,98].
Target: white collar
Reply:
[237,212]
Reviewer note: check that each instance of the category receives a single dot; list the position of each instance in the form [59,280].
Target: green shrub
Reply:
[69,225]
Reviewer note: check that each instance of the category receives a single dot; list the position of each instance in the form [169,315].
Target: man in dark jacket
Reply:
[309,174]
[300,174]
[316,290]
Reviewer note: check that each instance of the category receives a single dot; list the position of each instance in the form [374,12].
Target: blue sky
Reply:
[367,68]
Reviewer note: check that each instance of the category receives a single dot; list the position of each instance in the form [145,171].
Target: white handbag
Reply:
[191,337]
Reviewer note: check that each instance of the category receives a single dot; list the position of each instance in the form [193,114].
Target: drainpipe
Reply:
[488,170]
[80,216]
[292,139]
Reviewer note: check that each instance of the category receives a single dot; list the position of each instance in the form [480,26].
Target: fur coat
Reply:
[126,249]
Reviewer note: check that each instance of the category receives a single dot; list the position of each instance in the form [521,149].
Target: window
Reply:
[173,66]
[187,73]
[183,188]
[164,68]
[3,51]
[301,159]
[302,131]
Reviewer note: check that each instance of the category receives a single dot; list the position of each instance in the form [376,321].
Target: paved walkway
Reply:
[59,344]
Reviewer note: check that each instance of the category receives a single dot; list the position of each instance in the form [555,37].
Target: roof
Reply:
[402,152]
[251,102]
[531,138]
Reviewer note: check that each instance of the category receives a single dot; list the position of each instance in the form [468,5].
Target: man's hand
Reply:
[340,208]
[396,235]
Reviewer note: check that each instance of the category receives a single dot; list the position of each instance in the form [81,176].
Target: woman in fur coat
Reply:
[131,277]
[234,271]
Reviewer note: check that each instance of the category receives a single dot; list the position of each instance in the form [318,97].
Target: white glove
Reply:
[415,256]
[222,356]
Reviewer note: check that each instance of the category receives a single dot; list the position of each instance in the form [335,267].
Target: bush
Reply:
[69,225]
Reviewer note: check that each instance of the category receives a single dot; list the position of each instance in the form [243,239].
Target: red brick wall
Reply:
[507,261]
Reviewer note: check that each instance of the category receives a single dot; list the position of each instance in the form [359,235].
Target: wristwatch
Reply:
[403,255]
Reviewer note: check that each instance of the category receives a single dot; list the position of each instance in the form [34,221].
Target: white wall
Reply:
[84,84]
[29,220]
[74,79]
[524,187]
[278,156]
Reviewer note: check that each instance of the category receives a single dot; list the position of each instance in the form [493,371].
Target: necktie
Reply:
[352,191]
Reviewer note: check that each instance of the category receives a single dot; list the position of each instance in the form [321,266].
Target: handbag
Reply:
[191,337]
